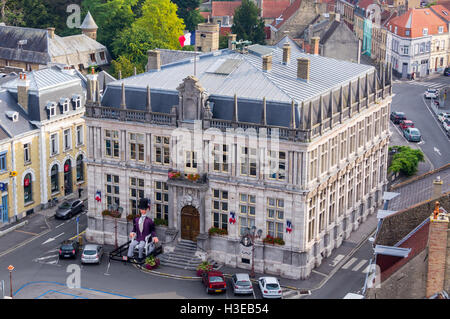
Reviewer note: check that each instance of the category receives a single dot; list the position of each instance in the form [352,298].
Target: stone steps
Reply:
[182,257]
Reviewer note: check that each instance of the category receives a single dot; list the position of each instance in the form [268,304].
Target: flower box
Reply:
[114,214]
[273,241]
[152,262]
[204,267]
[174,175]
[213,231]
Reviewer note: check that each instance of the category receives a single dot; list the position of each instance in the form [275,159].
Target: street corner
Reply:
[54,290]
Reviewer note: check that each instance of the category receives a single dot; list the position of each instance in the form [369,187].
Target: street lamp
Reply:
[10,268]
[253,235]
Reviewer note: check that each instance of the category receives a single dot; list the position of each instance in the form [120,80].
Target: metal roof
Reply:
[44,79]
[392,251]
[384,213]
[88,22]
[249,81]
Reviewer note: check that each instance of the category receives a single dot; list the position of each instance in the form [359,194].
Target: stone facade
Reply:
[326,185]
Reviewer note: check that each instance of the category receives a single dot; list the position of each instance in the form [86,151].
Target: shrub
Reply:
[205,266]
[151,262]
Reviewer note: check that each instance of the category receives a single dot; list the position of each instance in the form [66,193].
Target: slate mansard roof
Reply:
[244,78]
[46,86]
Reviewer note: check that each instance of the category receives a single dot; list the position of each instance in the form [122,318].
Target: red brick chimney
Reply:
[437,251]
[315,45]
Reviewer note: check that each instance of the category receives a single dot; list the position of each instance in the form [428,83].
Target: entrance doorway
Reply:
[190,223]
[67,178]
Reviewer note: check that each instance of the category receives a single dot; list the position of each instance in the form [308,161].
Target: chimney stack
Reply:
[267,63]
[207,37]
[154,60]
[22,91]
[231,38]
[437,187]
[286,53]
[437,251]
[303,68]
[51,32]
[315,45]
[91,87]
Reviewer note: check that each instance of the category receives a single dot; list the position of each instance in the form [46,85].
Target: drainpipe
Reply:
[14,181]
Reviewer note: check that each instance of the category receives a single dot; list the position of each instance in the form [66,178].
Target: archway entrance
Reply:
[190,223]
[67,178]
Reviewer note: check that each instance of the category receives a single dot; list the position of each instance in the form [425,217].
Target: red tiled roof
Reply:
[415,20]
[289,12]
[363,4]
[442,11]
[205,14]
[224,8]
[274,8]
[445,3]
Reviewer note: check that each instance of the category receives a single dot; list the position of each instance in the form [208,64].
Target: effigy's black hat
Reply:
[144,203]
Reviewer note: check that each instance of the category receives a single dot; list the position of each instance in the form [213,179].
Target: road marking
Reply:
[107,269]
[59,225]
[366,270]
[351,261]
[26,232]
[46,257]
[336,260]
[437,151]
[319,273]
[52,239]
[361,263]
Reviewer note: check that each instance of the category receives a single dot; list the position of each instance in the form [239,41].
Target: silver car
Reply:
[241,284]
[270,287]
[92,254]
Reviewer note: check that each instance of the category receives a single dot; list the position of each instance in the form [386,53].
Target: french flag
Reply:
[185,39]
[288,226]
[98,196]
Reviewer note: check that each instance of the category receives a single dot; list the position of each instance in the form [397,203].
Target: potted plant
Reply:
[205,266]
[160,222]
[151,262]
[273,241]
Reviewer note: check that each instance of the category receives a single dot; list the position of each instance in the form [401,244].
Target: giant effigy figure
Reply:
[143,226]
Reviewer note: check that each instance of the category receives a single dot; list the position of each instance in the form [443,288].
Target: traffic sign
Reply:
[10,267]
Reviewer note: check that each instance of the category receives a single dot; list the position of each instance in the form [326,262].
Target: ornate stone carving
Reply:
[192,99]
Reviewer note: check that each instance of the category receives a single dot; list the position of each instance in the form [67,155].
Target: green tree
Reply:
[11,13]
[126,66]
[189,12]
[405,160]
[247,24]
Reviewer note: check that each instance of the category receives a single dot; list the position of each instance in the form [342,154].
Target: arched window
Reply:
[54,179]
[27,188]
[80,168]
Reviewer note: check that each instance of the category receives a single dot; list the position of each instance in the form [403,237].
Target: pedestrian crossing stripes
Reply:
[359,265]
[430,85]
[349,263]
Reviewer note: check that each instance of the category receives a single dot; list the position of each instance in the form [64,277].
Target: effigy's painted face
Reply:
[143,212]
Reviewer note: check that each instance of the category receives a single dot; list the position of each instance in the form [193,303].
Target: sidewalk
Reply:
[318,277]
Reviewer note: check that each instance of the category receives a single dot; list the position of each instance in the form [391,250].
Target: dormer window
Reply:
[425,31]
[76,98]
[441,29]
[65,103]
[13,116]
[51,107]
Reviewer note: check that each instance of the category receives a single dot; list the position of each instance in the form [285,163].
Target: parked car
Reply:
[412,134]
[396,117]
[92,254]
[447,72]
[404,124]
[270,287]
[68,249]
[241,284]
[431,94]
[69,208]
[443,116]
[446,124]
[214,281]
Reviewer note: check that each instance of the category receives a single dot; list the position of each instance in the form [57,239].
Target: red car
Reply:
[214,281]
[404,124]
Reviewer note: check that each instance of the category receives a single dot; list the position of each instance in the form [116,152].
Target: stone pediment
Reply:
[193,99]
